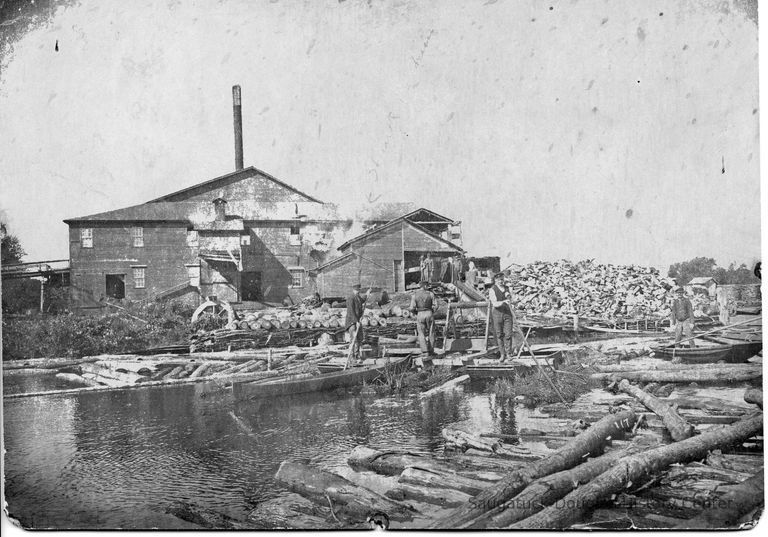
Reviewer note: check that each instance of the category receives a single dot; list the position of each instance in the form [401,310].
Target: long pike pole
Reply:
[718,329]
[541,369]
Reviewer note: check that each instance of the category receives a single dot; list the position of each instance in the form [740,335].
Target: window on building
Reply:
[192,238]
[86,237]
[137,234]
[297,277]
[295,237]
[115,285]
[193,272]
[139,281]
[245,240]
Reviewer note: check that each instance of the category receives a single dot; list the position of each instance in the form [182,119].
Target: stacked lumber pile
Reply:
[589,289]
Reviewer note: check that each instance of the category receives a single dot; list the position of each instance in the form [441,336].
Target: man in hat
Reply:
[501,315]
[682,317]
[422,304]
[353,324]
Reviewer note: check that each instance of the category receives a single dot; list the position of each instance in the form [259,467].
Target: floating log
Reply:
[426,478]
[448,385]
[589,442]
[634,469]
[71,377]
[626,367]
[350,499]
[754,396]
[464,441]
[678,428]
[393,463]
[206,518]
[711,404]
[547,490]
[201,371]
[726,373]
[725,514]
[432,495]
[291,512]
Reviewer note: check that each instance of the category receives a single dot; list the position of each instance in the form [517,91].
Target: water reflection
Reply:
[122,459]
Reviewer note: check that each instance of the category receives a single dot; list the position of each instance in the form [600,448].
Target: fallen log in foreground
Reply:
[678,428]
[724,374]
[464,441]
[341,495]
[442,497]
[448,385]
[292,512]
[726,512]
[633,469]
[547,490]
[754,396]
[589,442]
[393,463]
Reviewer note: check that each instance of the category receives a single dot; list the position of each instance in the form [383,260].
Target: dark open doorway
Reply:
[250,286]
[116,285]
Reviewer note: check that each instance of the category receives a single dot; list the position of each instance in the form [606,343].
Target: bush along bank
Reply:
[137,326]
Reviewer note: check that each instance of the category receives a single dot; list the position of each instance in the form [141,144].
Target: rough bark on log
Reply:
[739,501]
[431,495]
[71,377]
[634,469]
[754,396]
[201,371]
[393,463]
[548,489]
[464,440]
[354,501]
[711,404]
[664,366]
[588,442]
[738,463]
[725,374]
[206,518]
[448,385]
[291,512]
[425,478]
[678,428]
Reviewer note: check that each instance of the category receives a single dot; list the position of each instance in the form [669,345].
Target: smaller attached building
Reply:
[390,256]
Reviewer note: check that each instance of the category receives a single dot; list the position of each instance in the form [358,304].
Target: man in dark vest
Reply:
[353,324]
[501,315]
[682,317]
[422,304]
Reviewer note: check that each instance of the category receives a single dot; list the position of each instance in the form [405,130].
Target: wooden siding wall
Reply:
[374,262]
[165,254]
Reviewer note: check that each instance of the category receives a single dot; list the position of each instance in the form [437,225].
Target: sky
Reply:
[619,130]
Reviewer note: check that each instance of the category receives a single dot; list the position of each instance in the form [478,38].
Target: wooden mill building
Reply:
[247,237]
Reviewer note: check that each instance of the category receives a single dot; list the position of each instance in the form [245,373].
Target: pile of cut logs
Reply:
[589,289]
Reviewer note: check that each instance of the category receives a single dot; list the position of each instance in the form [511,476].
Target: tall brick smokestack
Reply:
[238,115]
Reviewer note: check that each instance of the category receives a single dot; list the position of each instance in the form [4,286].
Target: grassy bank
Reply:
[67,335]
[536,390]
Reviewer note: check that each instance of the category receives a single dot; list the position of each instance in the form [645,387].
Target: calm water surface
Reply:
[122,459]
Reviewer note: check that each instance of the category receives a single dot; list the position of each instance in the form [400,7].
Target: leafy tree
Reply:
[685,271]
[12,252]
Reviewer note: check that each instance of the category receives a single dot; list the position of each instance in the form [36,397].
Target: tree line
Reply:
[685,271]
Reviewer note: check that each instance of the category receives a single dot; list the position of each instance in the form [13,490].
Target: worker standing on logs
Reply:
[422,304]
[501,315]
[682,317]
[353,324]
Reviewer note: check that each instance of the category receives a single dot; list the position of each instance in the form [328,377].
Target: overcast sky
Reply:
[562,129]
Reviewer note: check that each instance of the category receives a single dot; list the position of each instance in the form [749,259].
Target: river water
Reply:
[123,459]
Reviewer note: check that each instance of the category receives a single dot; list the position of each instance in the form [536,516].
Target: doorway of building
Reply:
[250,286]
[115,285]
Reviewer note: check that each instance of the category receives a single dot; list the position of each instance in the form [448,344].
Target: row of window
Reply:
[86,237]
[137,237]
